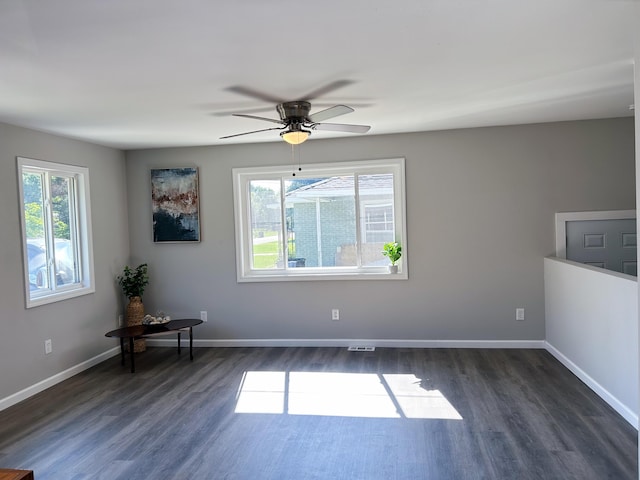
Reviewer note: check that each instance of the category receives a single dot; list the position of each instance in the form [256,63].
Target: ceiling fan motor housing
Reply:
[294,112]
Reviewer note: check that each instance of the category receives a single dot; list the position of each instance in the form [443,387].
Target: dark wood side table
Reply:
[143,331]
[7,474]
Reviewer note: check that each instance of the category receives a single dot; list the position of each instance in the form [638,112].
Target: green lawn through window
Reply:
[265,255]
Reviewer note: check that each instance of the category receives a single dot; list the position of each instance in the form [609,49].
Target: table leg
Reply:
[191,343]
[179,342]
[122,350]
[133,365]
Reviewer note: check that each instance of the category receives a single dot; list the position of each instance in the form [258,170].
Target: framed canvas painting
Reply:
[175,203]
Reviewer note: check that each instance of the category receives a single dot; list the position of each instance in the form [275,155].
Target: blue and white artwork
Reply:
[174,198]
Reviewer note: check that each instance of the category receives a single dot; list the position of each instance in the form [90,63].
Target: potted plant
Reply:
[132,281]
[393,251]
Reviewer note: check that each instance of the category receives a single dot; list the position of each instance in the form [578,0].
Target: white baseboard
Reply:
[57,378]
[336,342]
[70,372]
[619,407]
[626,413]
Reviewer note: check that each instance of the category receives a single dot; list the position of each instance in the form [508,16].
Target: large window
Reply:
[56,231]
[329,221]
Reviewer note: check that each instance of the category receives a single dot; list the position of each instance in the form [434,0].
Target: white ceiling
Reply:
[156,73]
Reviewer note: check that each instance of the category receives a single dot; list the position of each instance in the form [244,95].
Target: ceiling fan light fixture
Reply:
[295,136]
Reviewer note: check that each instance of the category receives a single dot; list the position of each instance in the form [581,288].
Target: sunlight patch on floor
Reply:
[342,395]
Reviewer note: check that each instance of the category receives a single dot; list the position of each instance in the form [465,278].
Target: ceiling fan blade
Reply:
[226,113]
[250,92]
[254,131]
[326,89]
[341,127]
[330,113]
[258,118]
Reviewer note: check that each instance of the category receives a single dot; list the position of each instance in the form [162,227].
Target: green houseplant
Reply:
[393,251]
[132,281]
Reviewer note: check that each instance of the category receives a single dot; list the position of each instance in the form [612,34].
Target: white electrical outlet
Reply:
[520,314]
[335,314]
[120,320]
[203,315]
[48,347]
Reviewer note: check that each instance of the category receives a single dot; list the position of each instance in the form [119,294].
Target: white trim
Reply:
[83,237]
[602,392]
[241,201]
[563,217]
[57,378]
[347,342]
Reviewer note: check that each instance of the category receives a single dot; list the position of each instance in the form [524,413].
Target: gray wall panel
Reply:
[480,210]
[480,219]
[76,326]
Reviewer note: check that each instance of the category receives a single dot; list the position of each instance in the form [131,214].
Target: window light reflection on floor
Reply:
[341,395]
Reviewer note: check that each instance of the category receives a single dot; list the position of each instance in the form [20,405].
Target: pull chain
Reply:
[293,159]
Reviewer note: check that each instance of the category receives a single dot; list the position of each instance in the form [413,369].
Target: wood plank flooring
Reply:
[524,416]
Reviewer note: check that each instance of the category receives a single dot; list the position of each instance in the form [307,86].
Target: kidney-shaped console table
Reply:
[144,331]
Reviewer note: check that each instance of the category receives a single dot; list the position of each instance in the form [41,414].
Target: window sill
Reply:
[293,276]
[58,297]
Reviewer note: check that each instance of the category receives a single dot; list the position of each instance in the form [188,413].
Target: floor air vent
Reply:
[360,348]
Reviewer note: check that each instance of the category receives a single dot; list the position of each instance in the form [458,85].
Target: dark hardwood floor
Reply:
[321,413]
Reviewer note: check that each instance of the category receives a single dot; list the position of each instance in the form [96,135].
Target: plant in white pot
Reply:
[132,281]
[393,251]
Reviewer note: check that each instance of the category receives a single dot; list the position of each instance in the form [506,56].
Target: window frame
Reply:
[80,226]
[242,218]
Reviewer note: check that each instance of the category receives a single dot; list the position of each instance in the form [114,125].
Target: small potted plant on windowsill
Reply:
[393,251]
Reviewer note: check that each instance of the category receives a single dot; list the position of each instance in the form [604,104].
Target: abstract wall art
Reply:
[175,203]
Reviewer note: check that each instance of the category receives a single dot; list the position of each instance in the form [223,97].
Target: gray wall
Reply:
[76,326]
[480,215]
[480,219]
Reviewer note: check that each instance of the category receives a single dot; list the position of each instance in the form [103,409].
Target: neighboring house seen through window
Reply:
[56,231]
[378,223]
[328,221]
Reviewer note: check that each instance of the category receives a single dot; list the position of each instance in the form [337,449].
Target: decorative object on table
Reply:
[132,281]
[175,205]
[393,251]
[159,319]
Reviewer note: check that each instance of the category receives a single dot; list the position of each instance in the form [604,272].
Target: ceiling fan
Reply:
[296,120]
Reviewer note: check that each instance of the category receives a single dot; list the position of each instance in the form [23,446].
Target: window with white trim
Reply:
[328,221]
[56,231]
